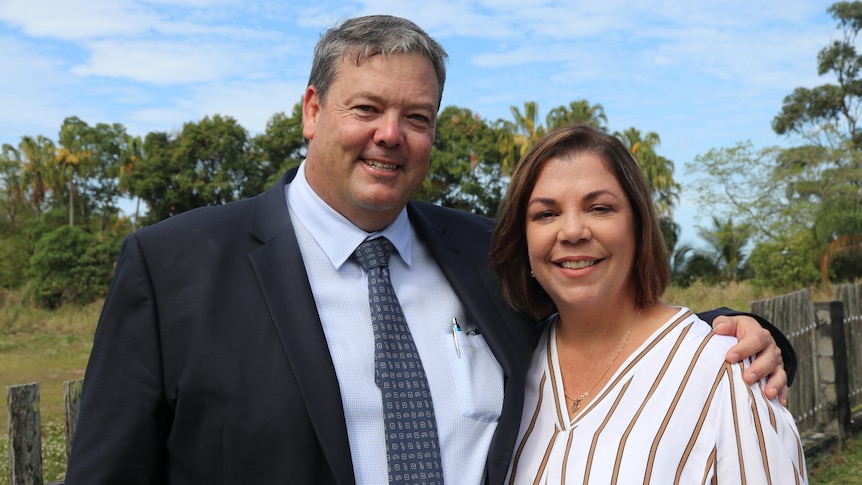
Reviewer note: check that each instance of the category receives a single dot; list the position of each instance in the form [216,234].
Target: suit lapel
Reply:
[510,336]
[283,281]
[471,280]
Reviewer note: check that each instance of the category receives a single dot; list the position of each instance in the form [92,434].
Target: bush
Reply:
[790,264]
[14,253]
[70,265]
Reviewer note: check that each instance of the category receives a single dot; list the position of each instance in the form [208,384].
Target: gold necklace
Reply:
[576,403]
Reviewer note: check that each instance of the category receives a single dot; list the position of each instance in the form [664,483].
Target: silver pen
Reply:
[455,329]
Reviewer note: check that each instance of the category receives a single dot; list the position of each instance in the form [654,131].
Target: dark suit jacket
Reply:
[210,365]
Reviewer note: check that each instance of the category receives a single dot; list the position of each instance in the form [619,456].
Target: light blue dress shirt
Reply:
[467,390]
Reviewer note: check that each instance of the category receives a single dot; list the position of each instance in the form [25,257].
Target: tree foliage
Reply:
[205,164]
[466,171]
[280,147]
[60,202]
[70,265]
[828,168]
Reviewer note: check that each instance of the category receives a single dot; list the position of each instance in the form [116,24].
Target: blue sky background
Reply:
[700,74]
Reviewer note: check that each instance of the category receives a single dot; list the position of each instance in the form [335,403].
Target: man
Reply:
[235,345]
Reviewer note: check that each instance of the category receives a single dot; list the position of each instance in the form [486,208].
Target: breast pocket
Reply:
[478,376]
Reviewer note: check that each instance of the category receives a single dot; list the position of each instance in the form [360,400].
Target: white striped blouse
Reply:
[674,412]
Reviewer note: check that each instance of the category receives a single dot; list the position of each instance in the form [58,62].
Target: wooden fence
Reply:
[827,338]
[25,422]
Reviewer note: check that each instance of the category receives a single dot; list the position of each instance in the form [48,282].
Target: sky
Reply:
[701,74]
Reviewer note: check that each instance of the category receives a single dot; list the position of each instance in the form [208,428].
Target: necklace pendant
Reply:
[576,404]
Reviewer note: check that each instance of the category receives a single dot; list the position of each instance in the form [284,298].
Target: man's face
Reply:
[370,139]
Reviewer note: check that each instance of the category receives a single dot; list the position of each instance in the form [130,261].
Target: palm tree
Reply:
[728,241]
[526,131]
[37,166]
[134,153]
[13,197]
[72,157]
[658,169]
[580,111]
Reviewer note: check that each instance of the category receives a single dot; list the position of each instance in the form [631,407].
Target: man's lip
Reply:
[380,164]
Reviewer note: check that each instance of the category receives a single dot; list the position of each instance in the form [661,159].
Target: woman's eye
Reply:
[602,209]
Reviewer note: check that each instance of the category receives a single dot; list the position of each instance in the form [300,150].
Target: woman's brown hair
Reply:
[509,257]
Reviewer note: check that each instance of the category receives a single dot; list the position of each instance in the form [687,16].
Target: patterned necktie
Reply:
[413,449]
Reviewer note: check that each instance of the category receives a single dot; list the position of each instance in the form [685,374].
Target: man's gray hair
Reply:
[364,37]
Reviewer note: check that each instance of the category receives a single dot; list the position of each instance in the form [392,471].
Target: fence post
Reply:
[25,435]
[842,375]
[72,398]
[833,409]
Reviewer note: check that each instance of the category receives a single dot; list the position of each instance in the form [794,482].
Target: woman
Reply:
[622,388]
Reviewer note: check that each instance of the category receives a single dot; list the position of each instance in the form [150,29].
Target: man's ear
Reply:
[310,111]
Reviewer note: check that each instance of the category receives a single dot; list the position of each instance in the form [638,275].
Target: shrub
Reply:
[70,265]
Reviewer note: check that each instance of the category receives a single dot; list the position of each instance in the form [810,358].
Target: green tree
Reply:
[15,211]
[280,147]
[657,169]
[778,194]
[728,242]
[13,190]
[786,263]
[75,161]
[207,163]
[827,118]
[828,114]
[39,170]
[771,189]
[578,111]
[113,153]
[70,265]
[465,171]
[514,138]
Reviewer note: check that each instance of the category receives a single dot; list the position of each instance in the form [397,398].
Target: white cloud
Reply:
[166,62]
[78,19]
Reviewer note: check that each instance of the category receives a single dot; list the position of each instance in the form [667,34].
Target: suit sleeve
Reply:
[787,352]
[124,417]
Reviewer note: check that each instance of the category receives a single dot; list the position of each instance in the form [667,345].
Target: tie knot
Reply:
[374,253]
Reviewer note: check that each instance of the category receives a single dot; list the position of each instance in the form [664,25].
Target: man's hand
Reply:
[756,341]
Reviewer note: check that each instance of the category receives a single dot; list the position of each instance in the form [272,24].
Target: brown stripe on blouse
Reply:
[557,397]
[697,429]
[594,445]
[675,401]
[568,454]
[659,377]
[772,420]
[529,430]
[711,463]
[541,470]
[758,425]
[735,411]
[633,363]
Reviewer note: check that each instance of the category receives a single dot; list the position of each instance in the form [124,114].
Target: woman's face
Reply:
[580,233]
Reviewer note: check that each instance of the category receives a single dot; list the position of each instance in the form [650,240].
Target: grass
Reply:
[48,348]
[839,468]
[51,347]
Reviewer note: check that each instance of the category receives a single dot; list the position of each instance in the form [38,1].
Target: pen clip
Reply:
[455,330]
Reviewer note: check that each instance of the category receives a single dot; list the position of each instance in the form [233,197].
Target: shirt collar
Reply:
[334,233]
